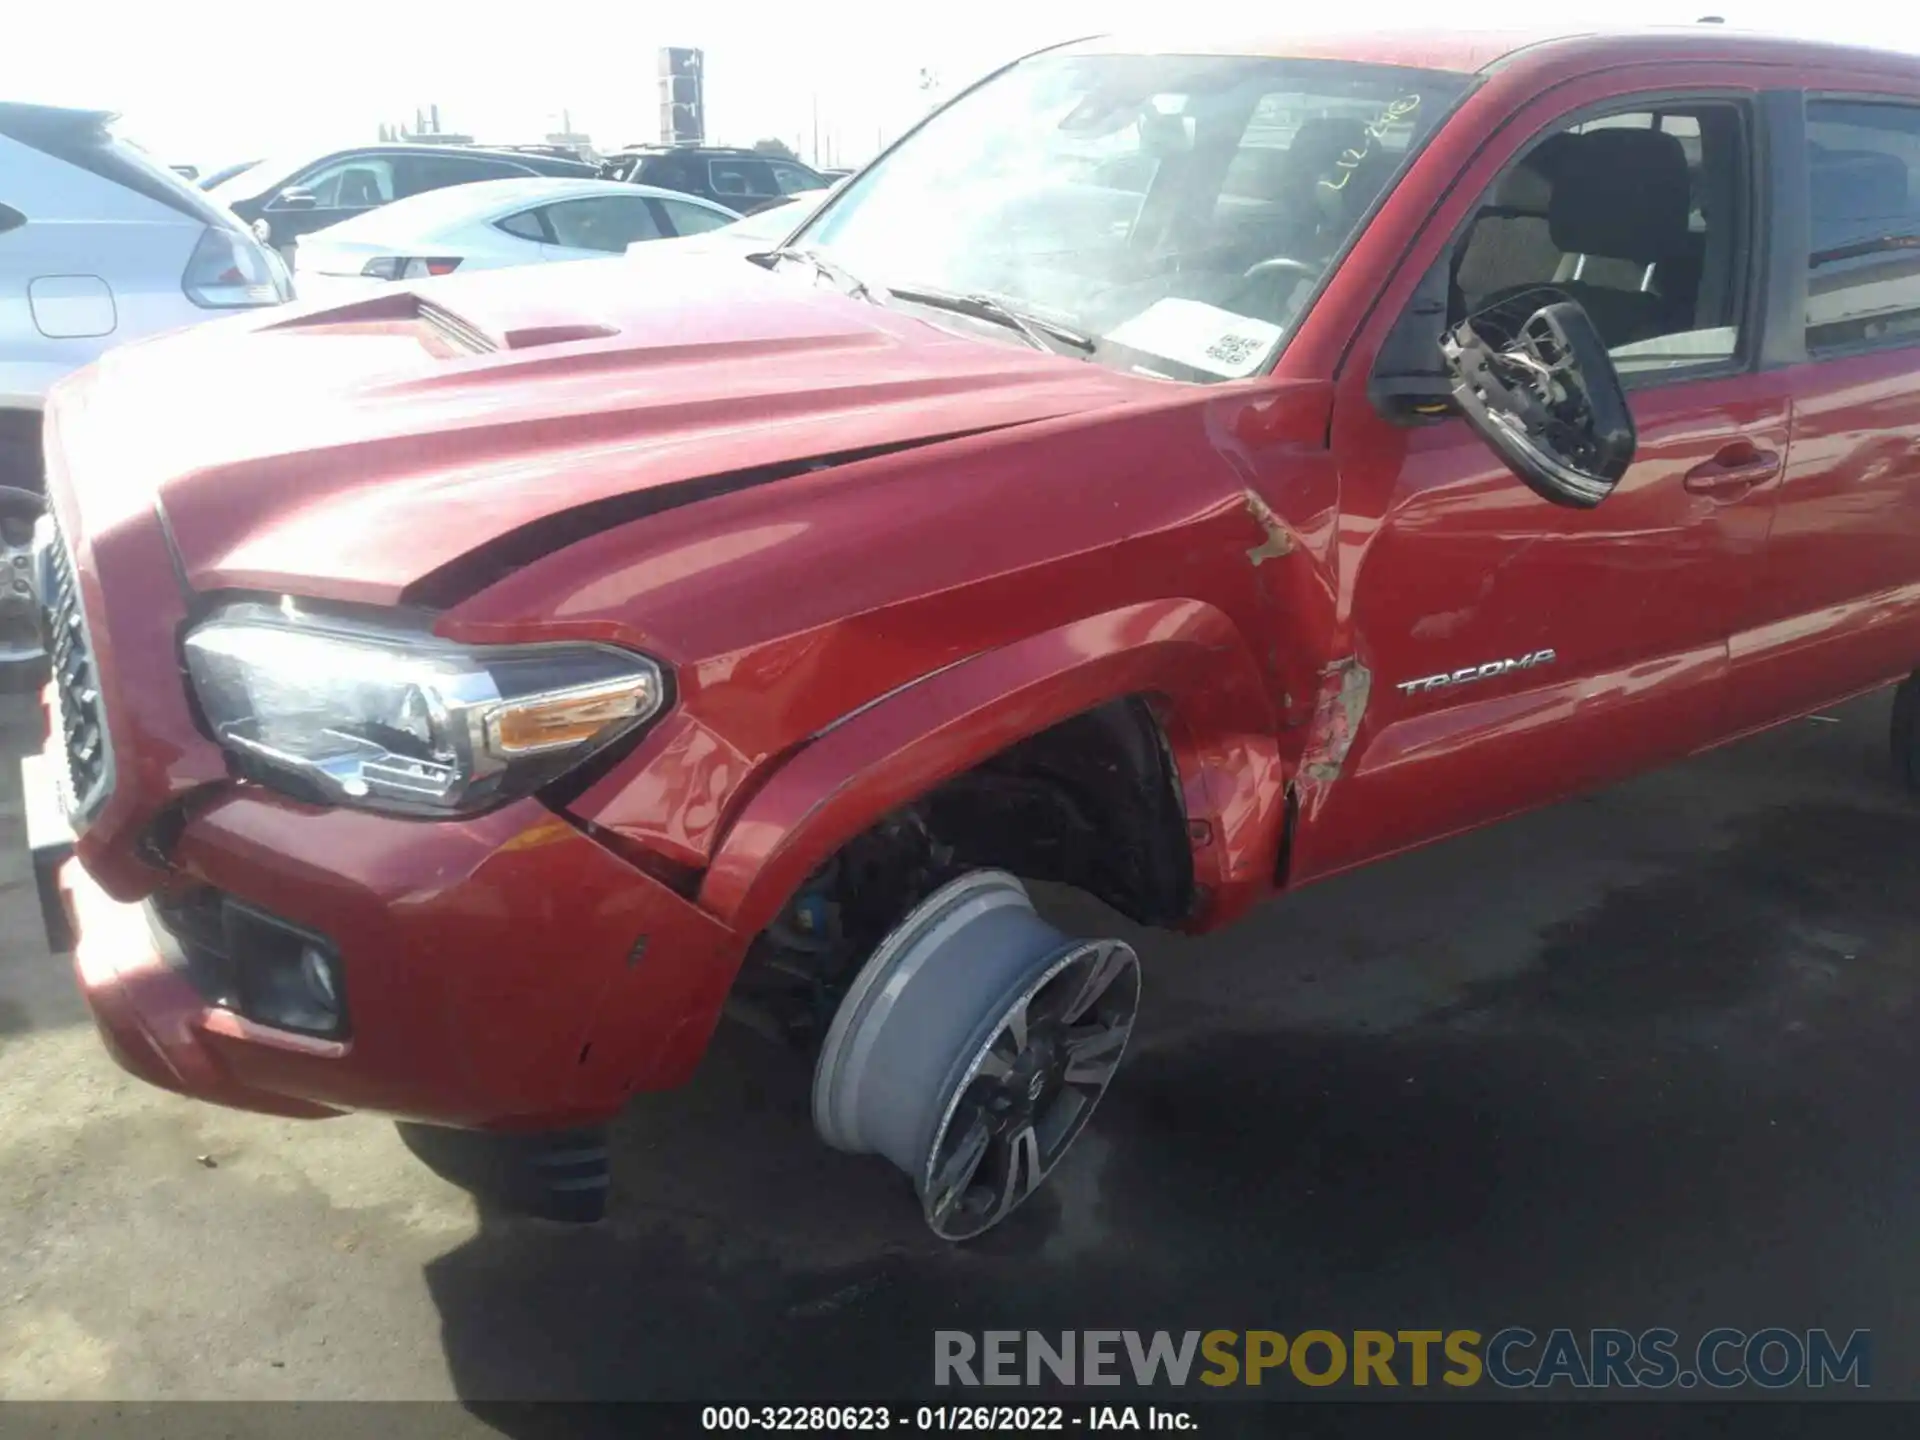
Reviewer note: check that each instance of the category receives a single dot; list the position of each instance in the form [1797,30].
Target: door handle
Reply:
[1738,467]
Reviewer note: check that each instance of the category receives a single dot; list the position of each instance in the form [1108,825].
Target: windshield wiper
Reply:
[850,283]
[1034,329]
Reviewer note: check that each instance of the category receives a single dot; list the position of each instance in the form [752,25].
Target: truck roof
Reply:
[1478,51]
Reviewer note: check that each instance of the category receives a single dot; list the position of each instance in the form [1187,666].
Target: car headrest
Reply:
[1319,143]
[357,187]
[1313,155]
[1624,194]
[1529,184]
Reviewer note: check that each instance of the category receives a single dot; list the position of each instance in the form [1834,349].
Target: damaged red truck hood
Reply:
[347,451]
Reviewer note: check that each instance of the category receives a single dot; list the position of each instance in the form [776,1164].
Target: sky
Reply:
[207,85]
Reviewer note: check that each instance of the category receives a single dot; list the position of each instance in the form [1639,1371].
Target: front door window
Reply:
[1639,216]
[359,183]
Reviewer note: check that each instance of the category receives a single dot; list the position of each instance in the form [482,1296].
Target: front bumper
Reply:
[505,971]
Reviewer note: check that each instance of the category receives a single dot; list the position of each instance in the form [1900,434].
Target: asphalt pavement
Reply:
[1640,1059]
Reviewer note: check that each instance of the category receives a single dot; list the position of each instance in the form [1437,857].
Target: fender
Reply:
[1187,655]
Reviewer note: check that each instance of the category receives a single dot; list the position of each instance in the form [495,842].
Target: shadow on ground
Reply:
[1643,1059]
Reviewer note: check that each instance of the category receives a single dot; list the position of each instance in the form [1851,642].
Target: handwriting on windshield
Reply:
[1377,128]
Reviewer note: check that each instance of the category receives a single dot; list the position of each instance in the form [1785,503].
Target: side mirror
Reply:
[296,197]
[1548,402]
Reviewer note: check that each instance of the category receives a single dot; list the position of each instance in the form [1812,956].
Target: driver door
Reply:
[1645,209]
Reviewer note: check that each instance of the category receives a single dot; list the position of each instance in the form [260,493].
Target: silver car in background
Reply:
[762,230]
[490,224]
[99,244]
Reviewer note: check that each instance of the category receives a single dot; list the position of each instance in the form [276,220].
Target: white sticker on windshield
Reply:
[1200,336]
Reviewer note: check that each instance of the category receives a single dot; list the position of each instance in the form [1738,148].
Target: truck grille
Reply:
[81,721]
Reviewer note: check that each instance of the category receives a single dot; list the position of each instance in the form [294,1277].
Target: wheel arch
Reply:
[1180,666]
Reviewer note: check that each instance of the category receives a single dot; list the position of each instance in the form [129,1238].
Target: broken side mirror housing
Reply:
[1547,401]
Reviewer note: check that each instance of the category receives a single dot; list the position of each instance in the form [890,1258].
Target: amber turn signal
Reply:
[553,722]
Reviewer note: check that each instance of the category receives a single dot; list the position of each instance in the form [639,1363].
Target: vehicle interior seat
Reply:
[1510,235]
[1622,195]
[1277,205]
[1314,171]
[359,188]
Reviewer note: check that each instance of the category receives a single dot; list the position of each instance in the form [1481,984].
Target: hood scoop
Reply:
[398,308]
[402,307]
[538,335]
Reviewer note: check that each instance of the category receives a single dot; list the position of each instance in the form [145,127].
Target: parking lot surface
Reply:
[1642,1059]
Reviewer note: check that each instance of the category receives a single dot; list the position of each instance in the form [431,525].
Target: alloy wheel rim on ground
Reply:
[972,1049]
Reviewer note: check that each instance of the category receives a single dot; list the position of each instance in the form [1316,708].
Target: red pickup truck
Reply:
[1180,474]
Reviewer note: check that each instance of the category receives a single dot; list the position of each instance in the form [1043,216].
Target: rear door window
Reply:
[1863,199]
[602,222]
[691,219]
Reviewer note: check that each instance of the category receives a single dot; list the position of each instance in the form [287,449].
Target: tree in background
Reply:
[779,149]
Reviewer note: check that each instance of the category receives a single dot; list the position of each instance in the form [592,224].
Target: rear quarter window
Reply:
[526,226]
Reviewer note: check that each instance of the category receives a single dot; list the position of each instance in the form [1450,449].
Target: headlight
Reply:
[404,722]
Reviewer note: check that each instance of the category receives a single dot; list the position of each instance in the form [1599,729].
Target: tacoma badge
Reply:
[1476,672]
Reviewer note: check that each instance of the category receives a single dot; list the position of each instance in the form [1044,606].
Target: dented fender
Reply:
[1188,657]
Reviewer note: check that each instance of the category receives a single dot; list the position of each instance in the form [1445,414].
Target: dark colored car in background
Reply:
[741,180]
[285,199]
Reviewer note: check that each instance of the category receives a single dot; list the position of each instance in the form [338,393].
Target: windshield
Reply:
[1178,211]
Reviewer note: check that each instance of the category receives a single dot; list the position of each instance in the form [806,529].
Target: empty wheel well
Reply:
[1093,802]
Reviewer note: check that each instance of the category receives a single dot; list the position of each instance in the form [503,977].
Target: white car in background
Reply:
[761,230]
[100,244]
[492,224]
